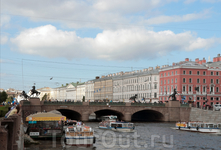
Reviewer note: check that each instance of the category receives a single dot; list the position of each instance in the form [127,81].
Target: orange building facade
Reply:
[195,81]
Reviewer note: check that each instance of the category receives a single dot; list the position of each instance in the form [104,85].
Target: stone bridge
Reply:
[171,111]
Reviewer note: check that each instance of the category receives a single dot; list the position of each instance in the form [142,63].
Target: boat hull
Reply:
[79,140]
[117,129]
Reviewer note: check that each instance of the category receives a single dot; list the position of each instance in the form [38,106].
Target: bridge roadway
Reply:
[171,111]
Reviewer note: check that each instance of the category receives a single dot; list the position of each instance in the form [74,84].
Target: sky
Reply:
[53,42]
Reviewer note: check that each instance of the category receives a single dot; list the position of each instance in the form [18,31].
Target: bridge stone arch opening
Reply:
[147,116]
[70,114]
[106,112]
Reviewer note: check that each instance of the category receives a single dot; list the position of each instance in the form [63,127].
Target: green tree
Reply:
[9,99]
[3,96]
[44,98]
[83,99]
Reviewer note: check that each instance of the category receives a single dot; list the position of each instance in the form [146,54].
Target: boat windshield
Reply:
[209,125]
[106,118]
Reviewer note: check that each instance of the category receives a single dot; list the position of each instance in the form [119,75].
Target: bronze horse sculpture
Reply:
[33,91]
[24,95]
[173,95]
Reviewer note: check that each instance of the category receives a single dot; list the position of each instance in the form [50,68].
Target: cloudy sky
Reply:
[76,40]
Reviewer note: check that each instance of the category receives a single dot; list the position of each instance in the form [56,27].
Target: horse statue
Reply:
[133,98]
[33,91]
[173,95]
[24,95]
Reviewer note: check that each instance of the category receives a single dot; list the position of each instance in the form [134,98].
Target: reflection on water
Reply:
[147,136]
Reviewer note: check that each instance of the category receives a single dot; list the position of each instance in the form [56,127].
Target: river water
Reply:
[157,136]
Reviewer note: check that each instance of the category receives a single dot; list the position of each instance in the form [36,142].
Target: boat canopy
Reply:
[45,117]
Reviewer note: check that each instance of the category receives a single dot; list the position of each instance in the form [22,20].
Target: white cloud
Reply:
[176,18]
[5,19]
[104,14]
[4,39]
[122,44]
[211,1]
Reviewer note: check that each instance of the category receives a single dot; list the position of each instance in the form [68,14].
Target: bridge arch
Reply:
[70,114]
[147,116]
[104,112]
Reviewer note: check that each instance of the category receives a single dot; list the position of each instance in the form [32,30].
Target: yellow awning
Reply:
[45,117]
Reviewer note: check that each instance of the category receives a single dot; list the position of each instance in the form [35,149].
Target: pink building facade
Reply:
[195,81]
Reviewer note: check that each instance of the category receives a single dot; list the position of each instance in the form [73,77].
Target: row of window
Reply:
[191,98]
[139,96]
[186,88]
[190,81]
[135,88]
[190,73]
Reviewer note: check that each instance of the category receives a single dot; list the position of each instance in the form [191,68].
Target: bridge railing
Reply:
[62,103]
[26,103]
[106,103]
[149,104]
[184,105]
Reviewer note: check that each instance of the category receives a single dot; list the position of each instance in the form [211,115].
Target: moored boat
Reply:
[80,136]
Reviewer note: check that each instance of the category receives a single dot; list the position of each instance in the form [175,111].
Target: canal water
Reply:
[157,136]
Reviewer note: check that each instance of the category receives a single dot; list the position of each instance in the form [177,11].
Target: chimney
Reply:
[197,60]
[97,77]
[187,59]
[174,64]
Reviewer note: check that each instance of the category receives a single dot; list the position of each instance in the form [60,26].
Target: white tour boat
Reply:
[111,123]
[199,127]
[80,136]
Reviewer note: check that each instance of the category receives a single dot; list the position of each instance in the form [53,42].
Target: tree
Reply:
[3,96]
[9,99]
[83,99]
[44,98]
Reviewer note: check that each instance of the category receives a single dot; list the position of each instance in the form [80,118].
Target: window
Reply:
[211,98]
[204,89]
[184,80]
[198,98]
[198,72]
[204,80]
[190,72]
[161,82]
[217,73]
[165,81]
[190,88]
[184,72]
[176,72]
[165,74]
[168,74]
[217,98]
[161,74]
[155,95]
[184,89]
[168,81]
[217,89]
[172,72]
[176,80]
[171,80]
[204,73]
[190,80]
[211,73]
[211,80]
[198,80]
[155,86]
[217,81]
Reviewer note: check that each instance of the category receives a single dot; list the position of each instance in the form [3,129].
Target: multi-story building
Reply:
[80,91]
[89,91]
[195,81]
[143,83]
[103,88]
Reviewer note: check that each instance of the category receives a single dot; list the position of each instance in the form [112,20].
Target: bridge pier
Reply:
[85,116]
[127,116]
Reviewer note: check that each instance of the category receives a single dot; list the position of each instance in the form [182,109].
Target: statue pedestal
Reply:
[34,101]
[173,104]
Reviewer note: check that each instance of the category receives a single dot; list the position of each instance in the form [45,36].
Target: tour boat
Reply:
[199,127]
[111,123]
[80,136]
